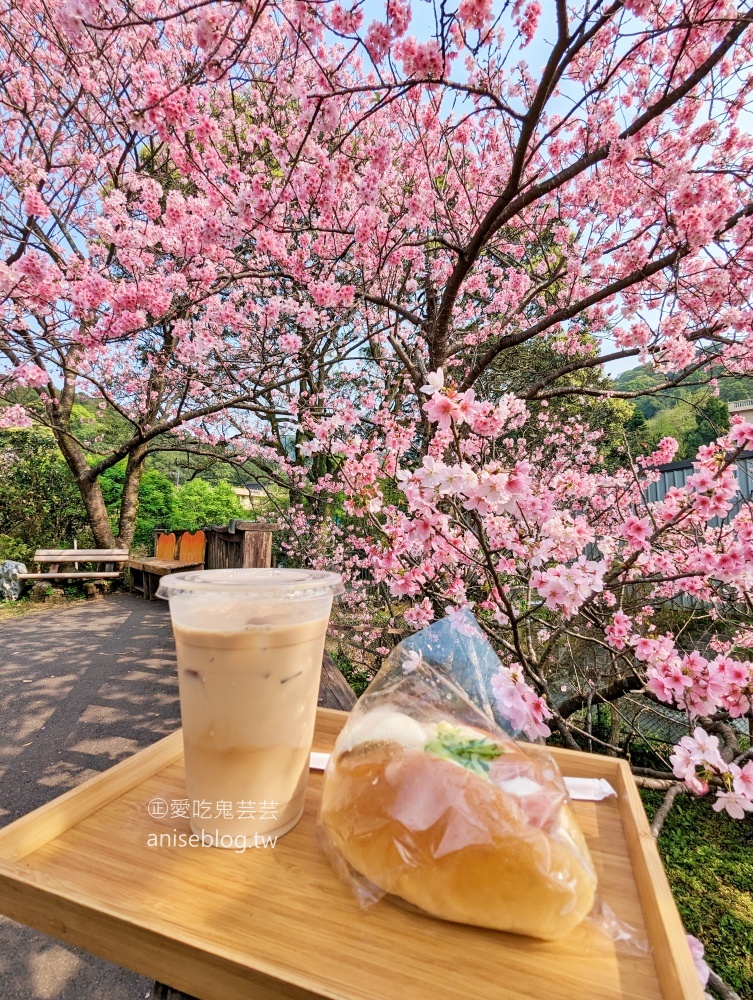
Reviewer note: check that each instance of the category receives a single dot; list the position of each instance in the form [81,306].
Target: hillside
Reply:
[693,415]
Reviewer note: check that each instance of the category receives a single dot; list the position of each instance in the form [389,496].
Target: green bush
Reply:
[711,420]
[156,499]
[16,549]
[40,504]
[198,504]
[356,676]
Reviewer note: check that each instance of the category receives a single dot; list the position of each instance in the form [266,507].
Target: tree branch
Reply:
[509,204]
[610,693]
[676,790]
[717,985]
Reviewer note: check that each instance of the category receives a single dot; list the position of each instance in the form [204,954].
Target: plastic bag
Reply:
[427,798]
[457,648]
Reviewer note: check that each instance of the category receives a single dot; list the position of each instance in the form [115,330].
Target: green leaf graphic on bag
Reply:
[472,752]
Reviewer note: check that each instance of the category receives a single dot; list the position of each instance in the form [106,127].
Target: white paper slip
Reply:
[583,789]
[589,789]
[318,761]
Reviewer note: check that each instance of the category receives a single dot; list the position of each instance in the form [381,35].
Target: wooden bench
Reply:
[145,573]
[56,557]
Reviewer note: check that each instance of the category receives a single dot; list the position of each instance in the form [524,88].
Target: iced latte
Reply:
[249,646]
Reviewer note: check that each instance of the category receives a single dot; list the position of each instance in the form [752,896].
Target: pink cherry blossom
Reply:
[441,410]
[734,803]
[742,779]
[434,382]
[636,531]
[518,704]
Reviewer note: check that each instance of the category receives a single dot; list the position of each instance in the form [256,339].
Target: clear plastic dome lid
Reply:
[276,584]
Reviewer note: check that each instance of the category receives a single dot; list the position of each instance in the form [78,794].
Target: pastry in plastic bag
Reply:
[427,799]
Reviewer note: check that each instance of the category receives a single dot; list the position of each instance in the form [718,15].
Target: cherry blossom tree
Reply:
[120,280]
[337,245]
[601,205]
[386,262]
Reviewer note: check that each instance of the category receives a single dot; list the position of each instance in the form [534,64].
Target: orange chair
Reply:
[145,573]
[165,547]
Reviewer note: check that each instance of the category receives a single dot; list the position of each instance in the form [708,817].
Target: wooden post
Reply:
[257,548]
[240,545]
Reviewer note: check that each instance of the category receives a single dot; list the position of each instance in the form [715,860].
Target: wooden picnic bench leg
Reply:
[162,992]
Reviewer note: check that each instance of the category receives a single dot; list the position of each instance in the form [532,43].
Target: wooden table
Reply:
[275,924]
[153,569]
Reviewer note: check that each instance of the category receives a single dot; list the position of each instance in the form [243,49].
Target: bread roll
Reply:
[465,827]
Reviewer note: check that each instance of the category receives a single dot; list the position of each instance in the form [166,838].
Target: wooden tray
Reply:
[273,923]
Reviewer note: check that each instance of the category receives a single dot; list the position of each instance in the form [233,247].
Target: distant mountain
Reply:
[692,414]
[644,377]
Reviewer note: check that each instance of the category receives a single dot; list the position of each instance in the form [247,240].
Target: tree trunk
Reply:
[91,494]
[58,411]
[129,501]
[99,519]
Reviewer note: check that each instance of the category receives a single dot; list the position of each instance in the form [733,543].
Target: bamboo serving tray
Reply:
[277,923]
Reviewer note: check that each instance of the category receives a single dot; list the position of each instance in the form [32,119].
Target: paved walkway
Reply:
[81,688]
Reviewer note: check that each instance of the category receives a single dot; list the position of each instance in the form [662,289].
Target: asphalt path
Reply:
[82,687]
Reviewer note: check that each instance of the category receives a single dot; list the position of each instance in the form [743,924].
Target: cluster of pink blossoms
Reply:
[618,630]
[475,13]
[519,703]
[533,528]
[636,531]
[692,682]
[697,760]
[565,588]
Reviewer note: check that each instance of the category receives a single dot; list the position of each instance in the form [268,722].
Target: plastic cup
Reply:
[249,646]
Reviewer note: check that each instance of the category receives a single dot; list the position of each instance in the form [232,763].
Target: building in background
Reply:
[249,495]
[742,408]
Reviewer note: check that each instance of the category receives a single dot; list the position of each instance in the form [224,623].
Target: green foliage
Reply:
[691,415]
[644,378]
[156,500]
[711,420]
[155,508]
[533,363]
[708,858]
[675,422]
[16,549]
[355,675]
[99,430]
[198,503]
[638,434]
[40,504]
[111,484]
